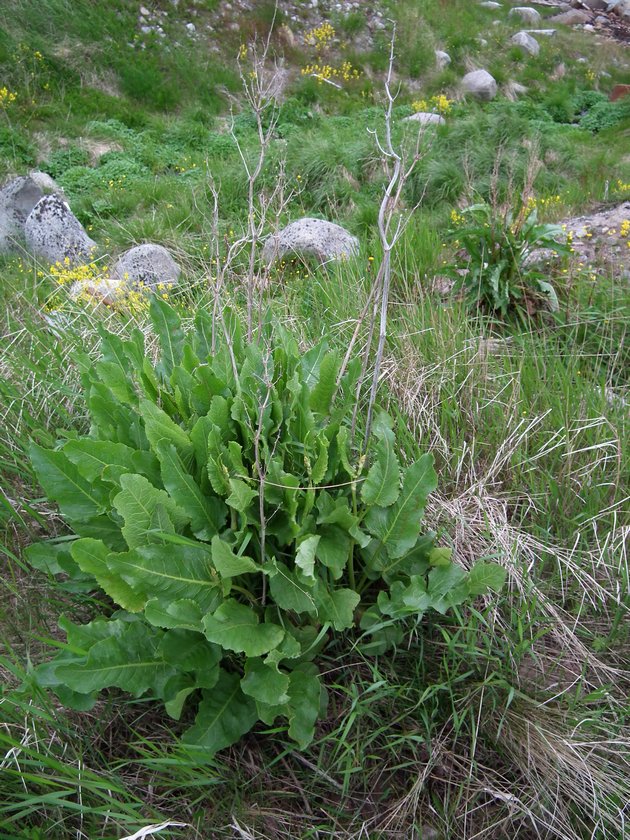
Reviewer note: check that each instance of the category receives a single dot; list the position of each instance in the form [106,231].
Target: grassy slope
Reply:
[508,719]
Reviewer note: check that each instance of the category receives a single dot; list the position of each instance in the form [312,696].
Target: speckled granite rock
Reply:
[313,237]
[17,199]
[53,232]
[148,265]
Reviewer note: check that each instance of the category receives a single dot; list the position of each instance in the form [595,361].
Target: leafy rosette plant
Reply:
[501,276]
[218,502]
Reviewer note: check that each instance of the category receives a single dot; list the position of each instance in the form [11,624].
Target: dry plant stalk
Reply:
[264,208]
[399,162]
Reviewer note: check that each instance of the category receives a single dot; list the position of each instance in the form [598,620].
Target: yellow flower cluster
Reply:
[456,218]
[624,230]
[64,273]
[320,36]
[440,103]
[326,72]
[6,97]
[91,284]
[182,167]
[542,203]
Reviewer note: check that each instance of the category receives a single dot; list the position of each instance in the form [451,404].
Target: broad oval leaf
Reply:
[91,557]
[382,484]
[236,627]
[225,715]
[137,503]
[129,661]
[78,498]
[164,571]
[398,526]
[265,683]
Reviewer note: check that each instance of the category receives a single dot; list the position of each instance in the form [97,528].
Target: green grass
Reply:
[506,719]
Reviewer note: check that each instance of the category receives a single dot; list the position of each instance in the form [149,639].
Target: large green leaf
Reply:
[304,705]
[225,715]
[91,557]
[184,613]
[484,576]
[236,627]
[447,587]
[62,482]
[137,503]
[229,564]
[129,661]
[333,549]
[305,557]
[382,484]
[207,513]
[91,457]
[158,427]
[217,471]
[337,606]
[265,683]
[242,495]
[190,651]
[289,591]
[173,572]
[167,325]
[118,382]
[398,526]
[323,392]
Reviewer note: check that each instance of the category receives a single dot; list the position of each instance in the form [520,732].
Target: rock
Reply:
[313,237]
[572,17]
[99,290]
[526,13]
[46,184]
[424,118]
[621,8]
[480,84]
[526,43]
[146,265]
[17,199]
[442,59]
[596,5]
[490,4]
[53,232]
[548,33]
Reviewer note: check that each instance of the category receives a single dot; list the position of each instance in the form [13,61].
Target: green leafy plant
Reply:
[500,276]
[218,501]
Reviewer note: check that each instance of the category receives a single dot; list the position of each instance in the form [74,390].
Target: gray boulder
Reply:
[311,237]
[147,265]
[526,13]
[490,4]
[54,233]
[480,84]
[526,43]
[46,184]
[442,59]
[573,17]
[621,8]
[17,199]
[596,5]
[425,118]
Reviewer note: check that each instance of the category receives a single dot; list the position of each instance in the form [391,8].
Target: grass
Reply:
[509,718]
